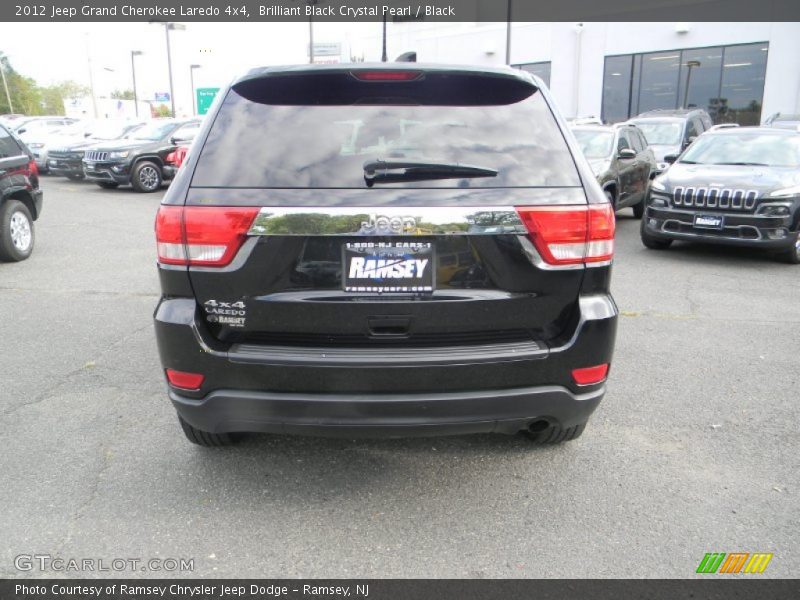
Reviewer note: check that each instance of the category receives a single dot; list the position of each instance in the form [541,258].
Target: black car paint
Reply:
[671,222]
[19,180]
[277,377]
[120,170]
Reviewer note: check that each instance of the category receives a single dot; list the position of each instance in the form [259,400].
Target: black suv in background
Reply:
[138,158]
[621,160]
[385,250]
[671,131]
[65,158]
[737,186]
[20,198]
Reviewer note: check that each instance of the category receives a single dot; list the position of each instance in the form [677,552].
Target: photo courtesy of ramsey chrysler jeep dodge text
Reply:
[385,250]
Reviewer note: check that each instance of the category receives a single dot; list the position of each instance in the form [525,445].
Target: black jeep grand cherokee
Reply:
[138,158]
[385,250]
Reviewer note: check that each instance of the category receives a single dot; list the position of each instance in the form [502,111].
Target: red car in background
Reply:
[174,160]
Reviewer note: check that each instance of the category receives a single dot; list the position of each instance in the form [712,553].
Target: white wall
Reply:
[485,44]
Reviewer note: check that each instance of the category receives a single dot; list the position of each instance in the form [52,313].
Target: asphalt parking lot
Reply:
[695,448]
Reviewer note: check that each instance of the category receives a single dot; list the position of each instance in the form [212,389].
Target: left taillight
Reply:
[201,235]
[34,170]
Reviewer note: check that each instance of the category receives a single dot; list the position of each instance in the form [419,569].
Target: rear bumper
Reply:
[387,415]
[771,233]
[384,391]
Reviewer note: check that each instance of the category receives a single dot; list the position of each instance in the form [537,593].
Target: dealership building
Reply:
[738,72]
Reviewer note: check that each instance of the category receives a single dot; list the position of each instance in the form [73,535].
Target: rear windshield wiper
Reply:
[390,171]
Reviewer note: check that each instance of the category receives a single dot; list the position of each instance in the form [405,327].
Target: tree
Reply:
[162,110]
[53,97]
[29,98]
[26,96]
[122,94]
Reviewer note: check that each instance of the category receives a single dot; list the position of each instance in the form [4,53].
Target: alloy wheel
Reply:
[21,232]
[148,177]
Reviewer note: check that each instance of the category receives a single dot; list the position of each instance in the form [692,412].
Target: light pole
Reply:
[311,3]
[91,77]
[191,80]
[384,56]
[508,34]
[690,65]
[135,53]
[168,26]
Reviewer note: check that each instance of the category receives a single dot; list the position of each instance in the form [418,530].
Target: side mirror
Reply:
[626,154]
[670,158]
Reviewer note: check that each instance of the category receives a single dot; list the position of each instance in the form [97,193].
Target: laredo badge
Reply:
[232,314]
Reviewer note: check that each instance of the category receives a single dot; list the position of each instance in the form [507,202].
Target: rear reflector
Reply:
[184,380]
[201,235]
[590,375]
[386,75]
[571,235]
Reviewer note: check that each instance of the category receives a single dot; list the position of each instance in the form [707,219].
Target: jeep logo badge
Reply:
[384,224]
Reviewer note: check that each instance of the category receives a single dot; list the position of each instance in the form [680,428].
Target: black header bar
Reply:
[399,10]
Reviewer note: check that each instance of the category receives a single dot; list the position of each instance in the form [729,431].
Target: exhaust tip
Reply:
[538,426]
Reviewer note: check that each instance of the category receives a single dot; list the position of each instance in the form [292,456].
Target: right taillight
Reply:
[571,235]
[201,235]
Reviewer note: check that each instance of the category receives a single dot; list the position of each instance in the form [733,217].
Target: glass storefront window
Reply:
[700,69]
[726,81]
[658,87]
[742,89]
[616,88]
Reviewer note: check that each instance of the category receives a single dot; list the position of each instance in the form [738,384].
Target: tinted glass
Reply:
[8,147]
[616,88]
[292,145]
[622,142]
[540,69]
[593,143]
[701,70]
[665,133]
[692,129]
[745,148]
[659,83]
[633,138]
[742,89]
[688,78]
[153,131]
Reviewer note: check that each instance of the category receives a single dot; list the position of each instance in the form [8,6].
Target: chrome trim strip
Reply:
[387,221]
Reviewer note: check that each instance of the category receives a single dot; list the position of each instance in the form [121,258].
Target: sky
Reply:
[53,52]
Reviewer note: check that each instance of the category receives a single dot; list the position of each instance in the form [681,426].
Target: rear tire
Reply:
[107,185]
[651,242]
[638,209]
[555,434]
[205,438]
[16,231]
[146,177]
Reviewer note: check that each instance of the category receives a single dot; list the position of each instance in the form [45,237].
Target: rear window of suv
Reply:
[318,131]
